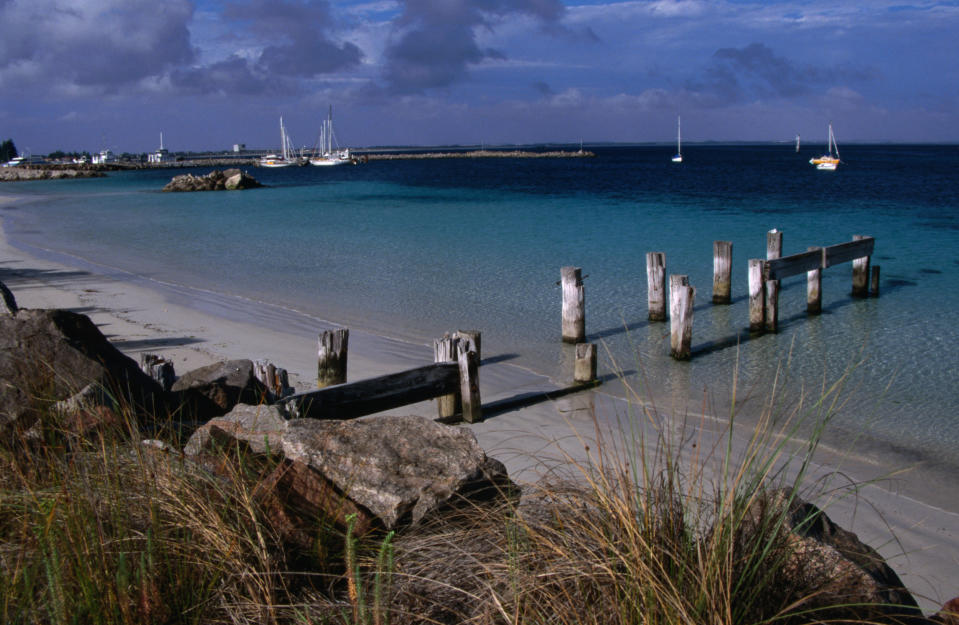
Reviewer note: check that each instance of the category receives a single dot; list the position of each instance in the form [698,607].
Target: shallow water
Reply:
[416,248]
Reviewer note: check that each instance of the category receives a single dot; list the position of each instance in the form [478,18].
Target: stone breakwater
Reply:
[14,174]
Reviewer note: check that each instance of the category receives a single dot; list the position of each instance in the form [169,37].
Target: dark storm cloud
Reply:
[99,44]
[435,41]
[756,71]
[232,76]
[300,45]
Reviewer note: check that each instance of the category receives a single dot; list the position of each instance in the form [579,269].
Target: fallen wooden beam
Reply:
[348,401]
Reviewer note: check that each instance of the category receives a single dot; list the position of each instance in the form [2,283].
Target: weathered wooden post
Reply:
[772,305]
[574,305]
[472,338]
[656,285]
[469,384]
[757,295]
[445,350]
[273,378]
[681,300]
[722,271]
[814,287]
[331,361]
[584,368]
[860,272]
[774,244]
[158,368]
[874,283]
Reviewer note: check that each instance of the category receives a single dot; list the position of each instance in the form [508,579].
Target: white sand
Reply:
[194,328]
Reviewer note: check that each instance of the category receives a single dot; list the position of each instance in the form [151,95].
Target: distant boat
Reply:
[324,155]
[285,158]
[797,144]
[679,148]
[830,160]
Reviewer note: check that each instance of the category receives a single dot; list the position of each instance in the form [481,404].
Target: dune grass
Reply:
[663,529]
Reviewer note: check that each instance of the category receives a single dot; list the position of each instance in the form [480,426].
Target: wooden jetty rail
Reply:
[347,401]
[819,258]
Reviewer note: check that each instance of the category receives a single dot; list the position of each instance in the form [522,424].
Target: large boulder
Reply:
[47,356]
[391,470]
[829,571]
[214,390]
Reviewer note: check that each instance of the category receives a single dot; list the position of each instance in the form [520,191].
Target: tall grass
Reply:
[665,526]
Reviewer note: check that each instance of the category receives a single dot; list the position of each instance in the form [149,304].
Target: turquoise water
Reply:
[416,248]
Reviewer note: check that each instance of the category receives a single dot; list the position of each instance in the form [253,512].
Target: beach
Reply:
[907,518]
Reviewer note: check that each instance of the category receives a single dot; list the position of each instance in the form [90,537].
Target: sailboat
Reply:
[285,158]
[679,150]
[797,143]
[830,160]
[324,155]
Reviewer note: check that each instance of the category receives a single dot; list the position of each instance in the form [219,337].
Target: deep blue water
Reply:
[419,247]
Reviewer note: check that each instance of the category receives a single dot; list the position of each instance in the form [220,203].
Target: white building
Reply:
[104,157]
[159,156]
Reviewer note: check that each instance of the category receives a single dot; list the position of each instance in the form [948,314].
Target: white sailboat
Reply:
[285,158]
[830,160]
[797,143]
[324,155]
[679,148]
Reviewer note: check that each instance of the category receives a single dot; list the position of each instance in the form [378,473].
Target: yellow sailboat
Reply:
[830,160]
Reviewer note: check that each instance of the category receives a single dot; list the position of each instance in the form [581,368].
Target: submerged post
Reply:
[445,350]
[757,295]
[574,305]
[772,305]
[469,384]
[681,300]
[331,357]
[656,285]
[860,272]
[722,271]
[874,283]
[814,288]
[584,368]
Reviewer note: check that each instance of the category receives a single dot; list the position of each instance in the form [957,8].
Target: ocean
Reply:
[415,248]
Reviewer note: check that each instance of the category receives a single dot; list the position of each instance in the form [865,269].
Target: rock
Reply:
[827,566]
[398,469]
[949,614]
[49,355]
[214,390]
[232,179]
[9,301]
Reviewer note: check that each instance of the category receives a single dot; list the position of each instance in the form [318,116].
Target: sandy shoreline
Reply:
[194,328]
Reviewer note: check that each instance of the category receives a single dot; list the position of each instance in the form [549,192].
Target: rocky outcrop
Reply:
[47,356]
[13,174]
[391,471]
[827,569]
[214,390]
[216,180]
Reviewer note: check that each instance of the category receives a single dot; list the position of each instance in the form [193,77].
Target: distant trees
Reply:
[7,150]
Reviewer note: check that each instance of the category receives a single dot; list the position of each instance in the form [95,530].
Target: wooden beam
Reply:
[347,401]
[794,265]
[845,252]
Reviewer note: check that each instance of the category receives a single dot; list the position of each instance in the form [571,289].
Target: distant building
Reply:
[239,147]
[104,157]
[159,156]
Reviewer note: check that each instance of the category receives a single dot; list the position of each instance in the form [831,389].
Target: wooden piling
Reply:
[158,368]
[814,287]
[574,305]
[472,338]
[445,350]
[331,357]
[722,271]
[584,368]
[656,285]
[772,306]
[469,385]
[860,272]
[874,282]
[681,300]
[757,295]
[774,244]
[273,378]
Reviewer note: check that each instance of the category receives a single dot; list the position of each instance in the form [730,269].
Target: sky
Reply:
[91,74]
